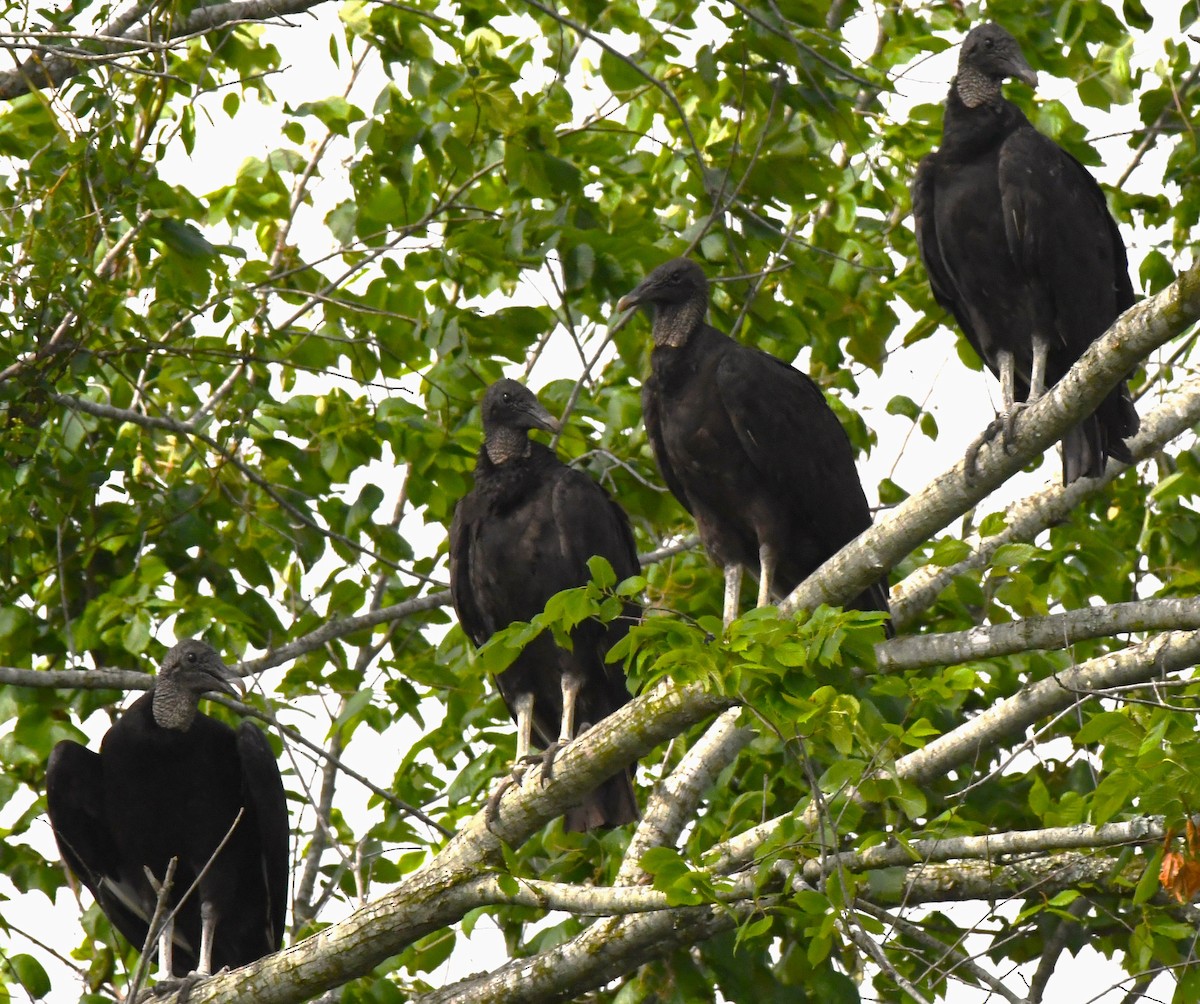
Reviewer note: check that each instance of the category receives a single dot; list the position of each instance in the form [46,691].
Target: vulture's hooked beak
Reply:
[540,418]
[1022,71]
[222,680]
[629,301]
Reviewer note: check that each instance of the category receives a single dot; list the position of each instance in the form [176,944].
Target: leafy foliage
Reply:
[240,403]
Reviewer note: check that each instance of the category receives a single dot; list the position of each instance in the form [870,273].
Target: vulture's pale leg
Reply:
[1008,379]
[766,573]
[208,930]
[1037,379]
[572,684]
[1006,421]
[733,589]
[166,950]
[523,704]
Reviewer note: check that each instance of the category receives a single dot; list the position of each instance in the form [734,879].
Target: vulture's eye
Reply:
[989,43]
[506,397]
[191,657]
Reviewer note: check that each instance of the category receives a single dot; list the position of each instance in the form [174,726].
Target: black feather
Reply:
[746,442]
[524,532]
[1019,243]
[153,793]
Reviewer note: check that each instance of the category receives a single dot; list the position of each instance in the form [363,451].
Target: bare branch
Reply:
[1053,949]
[1028,517]
[959,959]
[868,945]
[51,68]
[673,803]
[1031,633]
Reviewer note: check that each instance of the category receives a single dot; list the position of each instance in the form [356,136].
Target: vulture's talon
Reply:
[492,809]
[546,759]
[1003,425]
[1009,424]
[182,985]
[515,777]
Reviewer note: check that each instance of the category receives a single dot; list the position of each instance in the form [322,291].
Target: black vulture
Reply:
[1020,247]
[524,532]
[167,783]
[747,444]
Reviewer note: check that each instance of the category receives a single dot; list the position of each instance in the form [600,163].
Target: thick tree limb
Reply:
[1041,877]
[1028,517]
[1135,334]
[440,893]
[1032,633]
[53,65]
[1162,654]
[673,804]
[608,949]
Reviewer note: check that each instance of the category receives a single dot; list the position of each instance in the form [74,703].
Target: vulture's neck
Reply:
[505,444]
[975,88]
[675,322]
[174,707]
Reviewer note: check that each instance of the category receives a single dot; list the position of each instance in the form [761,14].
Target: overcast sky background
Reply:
[962,402]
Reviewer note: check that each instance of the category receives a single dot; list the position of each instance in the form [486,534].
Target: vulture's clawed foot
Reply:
[180,985]
[546,759]
[1003,425]
[492,809]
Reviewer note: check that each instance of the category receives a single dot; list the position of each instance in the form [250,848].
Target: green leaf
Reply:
[30,975]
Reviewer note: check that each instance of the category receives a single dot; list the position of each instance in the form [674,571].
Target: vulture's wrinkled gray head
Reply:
[989,56]
[189,671]
[510,410]
[677,292]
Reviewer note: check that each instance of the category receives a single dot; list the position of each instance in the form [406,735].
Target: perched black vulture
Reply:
[747,444]
[1021,248]
[524,532]
[169,782]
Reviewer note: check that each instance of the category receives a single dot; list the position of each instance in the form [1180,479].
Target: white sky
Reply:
[961,401]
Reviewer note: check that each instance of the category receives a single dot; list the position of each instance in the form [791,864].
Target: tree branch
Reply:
[960,960]
[988,847]
[1040,877]
[1055,944]
[1028,517]
[673,803]
[1162,654]
[1136,333]
[51,66]
[1031,633]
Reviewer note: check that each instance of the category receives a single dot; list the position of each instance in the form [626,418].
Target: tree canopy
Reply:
[241,402]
